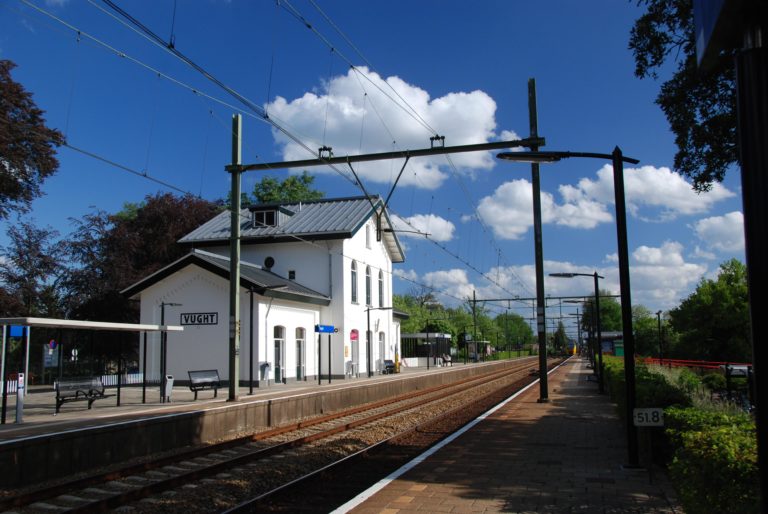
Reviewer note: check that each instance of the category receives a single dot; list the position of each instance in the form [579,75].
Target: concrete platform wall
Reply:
[61,454]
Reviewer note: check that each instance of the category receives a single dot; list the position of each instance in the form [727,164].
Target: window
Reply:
[381,288]
[367,236]
[300,357]
[368,285]
[264,219]
[292,274]
[279,335]
[353,281]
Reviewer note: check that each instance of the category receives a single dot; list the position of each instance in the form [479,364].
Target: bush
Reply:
[715,463]
[714,381]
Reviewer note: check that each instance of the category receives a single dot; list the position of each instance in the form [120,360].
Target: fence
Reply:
[108,381]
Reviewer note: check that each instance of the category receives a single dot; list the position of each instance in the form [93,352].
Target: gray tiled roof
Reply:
[321,219]
[253,276]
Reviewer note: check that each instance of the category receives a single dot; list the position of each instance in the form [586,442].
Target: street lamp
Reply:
[600,382]
[618,161]
[369,336]
[164,350]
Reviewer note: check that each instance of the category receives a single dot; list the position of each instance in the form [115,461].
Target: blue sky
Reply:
[458,69]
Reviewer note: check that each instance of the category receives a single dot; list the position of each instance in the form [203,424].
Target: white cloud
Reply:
[722,233]
[454,282]
[510,209]
[651,187]
[429,225]
[353,116]
[660,279]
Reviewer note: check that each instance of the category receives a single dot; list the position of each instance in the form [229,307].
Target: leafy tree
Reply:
[110,252]
[27,155]
[713,322]
[559,339]
[514,329]
[28,268]
[610,313]
[294,188]
[646,326]
[699,105]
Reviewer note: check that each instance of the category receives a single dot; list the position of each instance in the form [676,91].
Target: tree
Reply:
[560,339]
[295,188]
[646,328]
[107,253]
[514,329]
[713,322]
[610,313]
[700,106]
[27,154]
[28,269]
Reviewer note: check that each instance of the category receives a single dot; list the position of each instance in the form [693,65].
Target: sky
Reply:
[374,76]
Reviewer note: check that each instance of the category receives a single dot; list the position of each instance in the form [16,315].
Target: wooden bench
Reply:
[201,380]
[78,389]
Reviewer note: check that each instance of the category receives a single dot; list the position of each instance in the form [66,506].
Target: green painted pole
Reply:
[234,255]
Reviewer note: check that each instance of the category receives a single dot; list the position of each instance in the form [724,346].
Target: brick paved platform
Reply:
[566,455]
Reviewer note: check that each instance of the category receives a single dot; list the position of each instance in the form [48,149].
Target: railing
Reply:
[108,381]
[682,363]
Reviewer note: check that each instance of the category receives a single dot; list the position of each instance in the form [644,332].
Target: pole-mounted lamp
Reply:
[600,381]
[164,350]
[618,160]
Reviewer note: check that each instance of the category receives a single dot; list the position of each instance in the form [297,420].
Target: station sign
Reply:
[325,329]
[199,318]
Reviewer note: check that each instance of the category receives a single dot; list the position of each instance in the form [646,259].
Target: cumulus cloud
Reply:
[722,233]
[586,204]
[428,225]
[353,115]
[660,278]
[651,187]
[510,209]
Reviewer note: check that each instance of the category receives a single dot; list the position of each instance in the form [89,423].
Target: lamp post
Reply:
[600,382]
[164,350]
[661,355]
[618,160]
[369,336]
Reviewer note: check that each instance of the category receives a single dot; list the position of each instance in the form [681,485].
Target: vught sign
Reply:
[199,318]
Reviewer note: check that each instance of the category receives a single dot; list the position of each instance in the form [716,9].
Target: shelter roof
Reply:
[88,325]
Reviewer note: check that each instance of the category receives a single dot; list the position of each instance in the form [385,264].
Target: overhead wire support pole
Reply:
[539,253]
[234,270]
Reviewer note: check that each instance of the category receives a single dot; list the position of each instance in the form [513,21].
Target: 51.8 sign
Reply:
[653,417]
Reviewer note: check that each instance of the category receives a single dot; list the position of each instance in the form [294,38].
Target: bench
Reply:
[78,389]
[389,367]
[201,380]
[447,360]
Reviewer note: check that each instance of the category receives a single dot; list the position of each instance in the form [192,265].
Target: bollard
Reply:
[20,399]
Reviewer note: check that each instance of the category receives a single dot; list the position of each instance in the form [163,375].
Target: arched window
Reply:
[367,236]
[381,288]
[368,285]
[353,281]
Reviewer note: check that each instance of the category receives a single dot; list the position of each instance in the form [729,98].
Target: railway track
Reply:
[218,476]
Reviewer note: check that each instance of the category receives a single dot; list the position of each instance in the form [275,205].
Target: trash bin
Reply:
[168,387]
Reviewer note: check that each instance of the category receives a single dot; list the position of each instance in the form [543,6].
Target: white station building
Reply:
[326,262]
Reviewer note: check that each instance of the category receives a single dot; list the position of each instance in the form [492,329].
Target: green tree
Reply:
[514,330]
[713,322]
[610,313]
[646,328]
[29,268]
[294,188]
[27,145]
[699,105]
[559,339]
[107,253]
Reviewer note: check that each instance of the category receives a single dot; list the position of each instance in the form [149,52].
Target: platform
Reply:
[566,455]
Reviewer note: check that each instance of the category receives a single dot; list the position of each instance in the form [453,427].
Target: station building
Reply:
[325,262]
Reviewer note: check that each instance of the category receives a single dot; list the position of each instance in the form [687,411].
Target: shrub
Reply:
[715,468]
[714,381]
